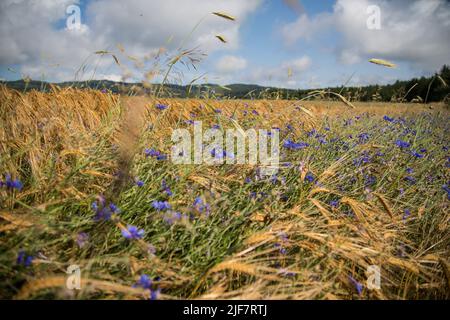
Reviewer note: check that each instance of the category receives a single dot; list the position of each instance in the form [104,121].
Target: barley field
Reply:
[87,181]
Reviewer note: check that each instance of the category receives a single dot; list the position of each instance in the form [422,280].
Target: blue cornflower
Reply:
[152,153]
[102,210]
[446,188]
[289,144]
[216,126]
[144,282]
[140,183]
[370,180]
[166,188]
[358,286]
[409,170]
[416,154]
[309,177]
[283,236]
[161,205]
[407,214]
[334,203]
[388,119]
[161,107]
[410,180]
[11,184]
[132,232]
[202,206]
[82,239]
[363,137]
[161,157]
[311,133]
[283,251]
[402,144]
[218,111]
[154,294]
[24,259]
[198,201]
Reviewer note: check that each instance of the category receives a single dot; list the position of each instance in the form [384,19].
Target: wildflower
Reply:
[407,214]
[363,137]
[151,153]
[102,210]
[416,154]
[283,236]
[154,294]
[370,180]
[311,133]
[409,170]
[289,144]
[248,180]
[24,259]
[161,107]
[388,119]
[82,239]
[218,111]
[11,184]
[166,188]
[358,286]
[144,282]
[140,183]
[309,177]
[161,205]
[201,206]
[161,157]
[283,251]
[446,188]
[334,203]
[410,180]
[216,126]
[402,144]
[132,232]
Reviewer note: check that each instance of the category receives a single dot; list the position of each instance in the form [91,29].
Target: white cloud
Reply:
[417,31]
[27,29]
[287,74]
[230,64]
[305,27]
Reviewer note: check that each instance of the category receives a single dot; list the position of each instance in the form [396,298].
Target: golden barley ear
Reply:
[224,15]
[383,63]
[222,39]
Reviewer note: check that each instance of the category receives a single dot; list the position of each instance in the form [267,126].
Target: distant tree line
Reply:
[425,89]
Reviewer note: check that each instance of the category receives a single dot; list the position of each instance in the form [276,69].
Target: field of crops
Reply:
[87,180]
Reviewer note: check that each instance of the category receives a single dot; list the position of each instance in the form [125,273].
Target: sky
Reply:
[283,43]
